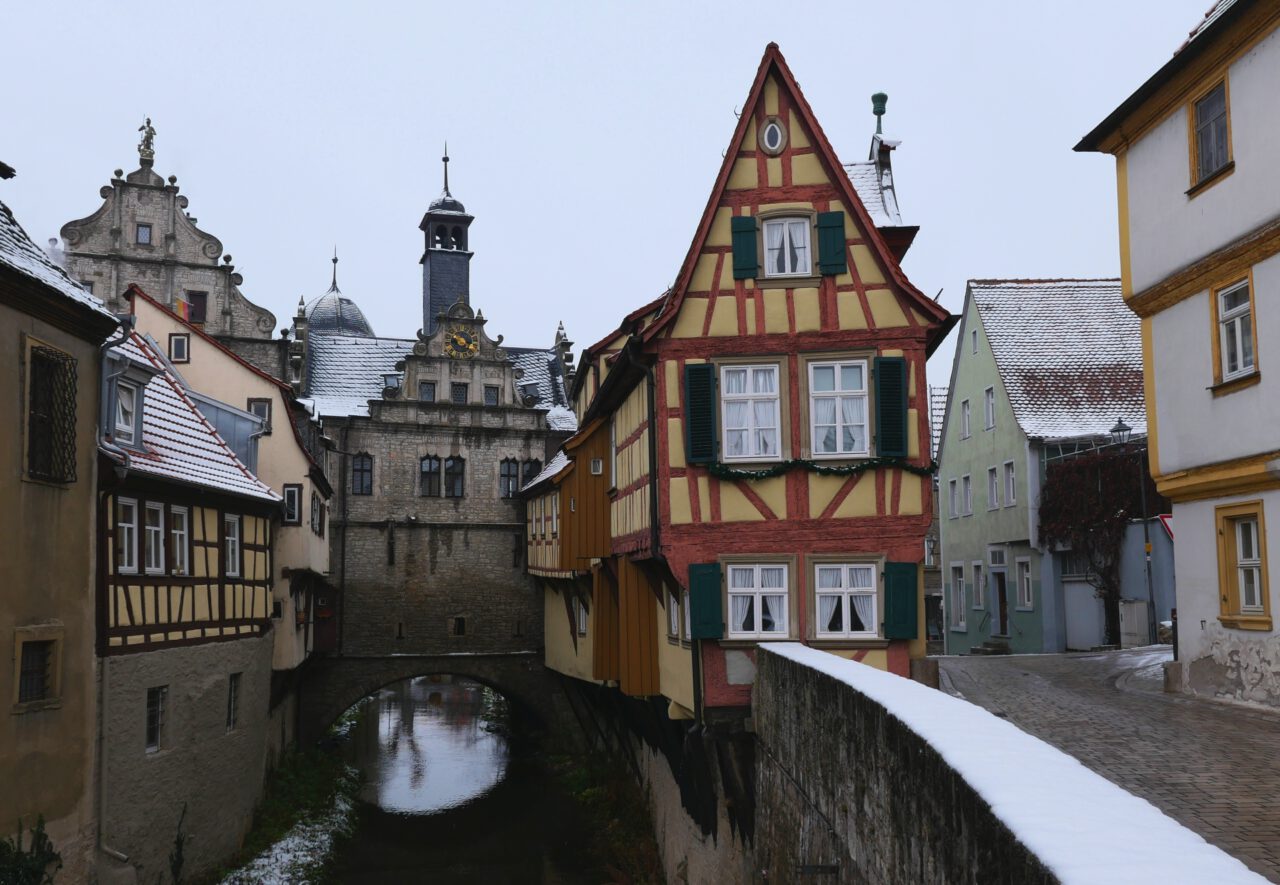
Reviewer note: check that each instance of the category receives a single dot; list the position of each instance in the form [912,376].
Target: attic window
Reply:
[143,235]
[179,348]
[773,136]
[786,247]
[126,413]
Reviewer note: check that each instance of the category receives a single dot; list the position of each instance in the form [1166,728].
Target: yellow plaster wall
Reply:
[720,233]
[560,653]
[775,311]
[724,317]
[806,169]
[734,506]
[693,313]
[808,316]
[849,307]
[679,497]
[885,309]
[675,663]
[743,176]
[868,269]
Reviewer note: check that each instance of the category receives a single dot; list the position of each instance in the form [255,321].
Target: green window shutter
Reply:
[700,413]
[832,256]
[704,601]
[891,406]
[901,600]
[746,264]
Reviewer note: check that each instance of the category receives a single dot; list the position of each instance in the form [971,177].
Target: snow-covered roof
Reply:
[18,252]
[1069,353]
[541,367]
[873,181]
[1080,825]
[344,372]
[335,314]
[178,443]
[1215,12]
[937,414]
[554,466]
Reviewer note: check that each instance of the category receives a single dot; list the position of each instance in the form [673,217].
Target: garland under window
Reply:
[724,471]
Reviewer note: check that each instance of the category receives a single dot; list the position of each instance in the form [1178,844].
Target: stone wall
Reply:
[215,772]
[847,792]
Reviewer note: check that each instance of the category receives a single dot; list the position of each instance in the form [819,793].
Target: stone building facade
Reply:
[143,235]
[433,437]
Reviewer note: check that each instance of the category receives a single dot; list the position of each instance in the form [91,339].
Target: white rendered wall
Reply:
[1169,230]
[1190,419]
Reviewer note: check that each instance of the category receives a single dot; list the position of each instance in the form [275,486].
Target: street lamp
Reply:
[1120,436]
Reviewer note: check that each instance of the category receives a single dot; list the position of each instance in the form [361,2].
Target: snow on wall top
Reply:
[179,444]
[1085,829]
[17,251]
[1069,354]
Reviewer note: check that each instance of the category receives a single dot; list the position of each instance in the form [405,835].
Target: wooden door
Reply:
[1002,603]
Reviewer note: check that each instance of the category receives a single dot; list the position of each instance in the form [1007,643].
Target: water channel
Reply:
[454,790]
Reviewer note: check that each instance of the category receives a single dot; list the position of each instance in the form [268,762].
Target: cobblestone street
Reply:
[1213,767]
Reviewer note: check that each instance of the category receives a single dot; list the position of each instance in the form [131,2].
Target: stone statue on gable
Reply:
[146,147]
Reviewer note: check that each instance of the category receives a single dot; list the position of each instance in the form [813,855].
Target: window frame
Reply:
[138,228]
[1010,484]
[228,539]
[864,364]
[427,478]
[581,615]
[673,617]
[1026,600]
[555,513]
[362,469]
[294,490]
[126,555]
[448,490]
[61,387]
[786,219]
[233,701]
[749,397]
[456,387]
[977,568]
[966,488]
[756,565]
[1201,181]
[989,408]
[973,341]
[966,426]
[431,385]
[132,424]
[54,634]
[953,498]
[496,398]
[179,542]
[154,731]
[1232,611]
[509,478]
[958,621]
[153,538]
[846,594]
[1221,376]
[265,414]
[198,298]
[183,338]
[993,488]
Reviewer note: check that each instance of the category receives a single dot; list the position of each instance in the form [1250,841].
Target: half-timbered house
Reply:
[184,620]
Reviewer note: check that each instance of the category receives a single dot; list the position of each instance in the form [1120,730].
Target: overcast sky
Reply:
[585,136]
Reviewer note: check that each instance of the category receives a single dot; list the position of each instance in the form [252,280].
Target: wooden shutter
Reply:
[707,619]
[901,600]
[891,406]
[832,257]
[700,413]
[746,264]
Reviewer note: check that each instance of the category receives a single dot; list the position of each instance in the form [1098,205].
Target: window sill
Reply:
[1222,388]
[733,642]
[799,281]
[1213,178]
[752,461]
[835,642]
[36,706]
[1246,622]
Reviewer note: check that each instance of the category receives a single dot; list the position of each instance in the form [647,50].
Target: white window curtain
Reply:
[750,412]
[853,414]
[830,614]
[773,244]
[864,606]
[838,408]
[798,237]
[742,613]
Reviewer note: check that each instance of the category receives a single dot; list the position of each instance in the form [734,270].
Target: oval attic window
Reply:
[773,137]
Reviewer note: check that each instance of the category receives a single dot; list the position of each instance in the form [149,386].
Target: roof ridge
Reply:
[989,280]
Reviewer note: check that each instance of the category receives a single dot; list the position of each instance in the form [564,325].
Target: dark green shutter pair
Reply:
[901,601]
[832,257]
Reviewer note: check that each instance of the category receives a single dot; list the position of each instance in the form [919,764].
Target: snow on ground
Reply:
[1084,828]
[300,855]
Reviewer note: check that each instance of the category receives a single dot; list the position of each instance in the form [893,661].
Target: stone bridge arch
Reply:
[333,685]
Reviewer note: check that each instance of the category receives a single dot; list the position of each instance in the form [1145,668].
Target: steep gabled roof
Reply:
[773,62]
[179,444]
[20,254]
[1069,354]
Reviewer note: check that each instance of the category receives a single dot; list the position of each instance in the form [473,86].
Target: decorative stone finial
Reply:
[147,147]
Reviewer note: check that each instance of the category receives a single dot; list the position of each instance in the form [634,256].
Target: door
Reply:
[1084,615]
[1002,604]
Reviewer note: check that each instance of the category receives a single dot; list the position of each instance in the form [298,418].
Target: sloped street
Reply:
[1211,766]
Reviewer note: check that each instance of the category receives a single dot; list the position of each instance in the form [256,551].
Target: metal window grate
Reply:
[34,678]
[51,416]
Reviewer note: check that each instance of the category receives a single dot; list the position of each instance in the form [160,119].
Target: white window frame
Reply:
[788,226]
[838,395]
[989,407]
[581,618]
[673,616]
[1022,568]
[996,556]
[751,398]
[687,633]
[231,545]
[1010,484]
[162,703]
[973,341]
[957,619]
[1231,328]
[127,537]
[126,424]
[178,539]
[979,585]
[756,592]
[993,488]
[555,514]
[613,453]
[179,339]
[845,592]
[964,419]
[153,539]
[1251,565]
[966,486]
[953,498]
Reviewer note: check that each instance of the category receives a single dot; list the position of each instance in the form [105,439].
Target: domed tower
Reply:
[446,261]
[335,314]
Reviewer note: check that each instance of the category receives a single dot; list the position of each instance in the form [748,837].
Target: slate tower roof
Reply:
[335,314]
[446,259]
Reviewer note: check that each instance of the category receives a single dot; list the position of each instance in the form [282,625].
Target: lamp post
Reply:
[1120,436]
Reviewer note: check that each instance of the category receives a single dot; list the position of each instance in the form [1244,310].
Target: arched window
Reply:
[508,478]
[442,237]
[532,468]
[454,469]
[362,474]
[430,468]
[459,238]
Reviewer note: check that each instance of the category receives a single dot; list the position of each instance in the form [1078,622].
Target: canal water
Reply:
[454,790]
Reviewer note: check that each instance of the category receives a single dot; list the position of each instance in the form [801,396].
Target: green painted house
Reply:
[1042,368]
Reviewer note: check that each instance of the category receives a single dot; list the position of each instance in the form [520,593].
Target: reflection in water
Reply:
[424,747]
[445,798]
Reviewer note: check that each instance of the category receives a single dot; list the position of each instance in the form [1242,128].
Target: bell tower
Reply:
[446,260]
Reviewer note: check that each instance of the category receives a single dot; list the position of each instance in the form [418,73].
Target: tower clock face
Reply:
[461,343]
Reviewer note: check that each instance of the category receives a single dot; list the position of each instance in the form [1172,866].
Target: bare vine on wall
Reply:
[1085,506]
